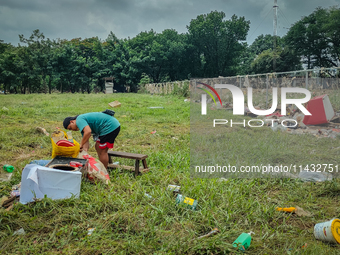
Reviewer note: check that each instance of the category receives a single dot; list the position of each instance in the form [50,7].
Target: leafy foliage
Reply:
[315,38]
[213,46]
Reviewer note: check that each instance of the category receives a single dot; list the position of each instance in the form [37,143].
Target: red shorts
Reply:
[108,140]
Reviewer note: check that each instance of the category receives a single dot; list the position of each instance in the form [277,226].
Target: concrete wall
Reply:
[164,88]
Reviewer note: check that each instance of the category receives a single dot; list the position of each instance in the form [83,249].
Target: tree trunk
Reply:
[49,85]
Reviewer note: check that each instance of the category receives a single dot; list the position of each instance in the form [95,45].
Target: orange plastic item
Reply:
[285,209]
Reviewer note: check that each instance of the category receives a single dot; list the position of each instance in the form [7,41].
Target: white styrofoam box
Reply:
[38,181]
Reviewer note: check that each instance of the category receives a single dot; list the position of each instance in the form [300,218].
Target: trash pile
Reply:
[323,122]
[56,178]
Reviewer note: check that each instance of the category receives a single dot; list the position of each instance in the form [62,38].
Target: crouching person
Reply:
[104,128]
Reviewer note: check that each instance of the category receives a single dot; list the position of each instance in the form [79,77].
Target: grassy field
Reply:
[128,222]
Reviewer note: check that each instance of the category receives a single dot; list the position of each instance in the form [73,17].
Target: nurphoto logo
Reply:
[238,103]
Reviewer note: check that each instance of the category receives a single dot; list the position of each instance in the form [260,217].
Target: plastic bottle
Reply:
[192,203]
[147,195]
[69,136]
[8,168]
[243,241]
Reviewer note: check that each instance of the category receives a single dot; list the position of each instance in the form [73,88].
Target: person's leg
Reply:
[102,154]
[105,143]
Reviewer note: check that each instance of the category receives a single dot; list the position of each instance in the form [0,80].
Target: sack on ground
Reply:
[59,150]
[96,171]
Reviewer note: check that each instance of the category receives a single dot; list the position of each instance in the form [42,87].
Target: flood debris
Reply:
[8,203]
[19,232]
[309,176]
[90,231]
[212,232]
[296,210]
[115,104]
[325,122]
[147,195]
[42,130]
[243,241]
[191,203]
[328,231]
[174,188]
[321,109]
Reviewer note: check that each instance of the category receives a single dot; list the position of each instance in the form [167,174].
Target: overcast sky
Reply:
[68,19]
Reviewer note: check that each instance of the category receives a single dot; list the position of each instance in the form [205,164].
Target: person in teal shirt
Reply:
[104,128]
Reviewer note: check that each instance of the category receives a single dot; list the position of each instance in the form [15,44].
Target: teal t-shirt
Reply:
[100,123]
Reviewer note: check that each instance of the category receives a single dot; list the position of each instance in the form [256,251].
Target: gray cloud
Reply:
[66,19]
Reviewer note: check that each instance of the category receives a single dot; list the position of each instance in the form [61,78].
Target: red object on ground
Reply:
[321,109]
[65,143]
[275,114]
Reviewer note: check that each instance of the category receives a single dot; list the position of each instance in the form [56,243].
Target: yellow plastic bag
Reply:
[62,150]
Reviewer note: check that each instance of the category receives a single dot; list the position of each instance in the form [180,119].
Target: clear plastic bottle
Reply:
[69,136]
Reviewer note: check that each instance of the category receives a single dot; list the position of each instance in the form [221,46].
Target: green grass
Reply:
[126,221]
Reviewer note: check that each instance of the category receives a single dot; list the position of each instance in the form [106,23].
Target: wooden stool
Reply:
[137,157]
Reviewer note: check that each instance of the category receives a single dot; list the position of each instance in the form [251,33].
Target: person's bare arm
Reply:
[84,144]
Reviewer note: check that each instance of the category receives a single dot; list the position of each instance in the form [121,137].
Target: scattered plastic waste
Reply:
[212,232]
[243,241]
[19,232]
[8,168]
[308,176]
[156,107]
[147,195]
[192,203]
[153,132]
[297,210]
[42,130]
[17,186]
[289,209]
[175,189]
[90,231]
[300,212]
[277,127]
[186,100]
[69,136]
[15,193]
[328,231]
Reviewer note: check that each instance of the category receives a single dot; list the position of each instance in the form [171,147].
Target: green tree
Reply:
[218,43]
[39,50]
[8,67]
[315,38]
[285,61]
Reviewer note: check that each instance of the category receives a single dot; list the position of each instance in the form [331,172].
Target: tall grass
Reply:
[128,222]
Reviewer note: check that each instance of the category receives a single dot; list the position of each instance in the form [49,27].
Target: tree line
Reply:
[213,46]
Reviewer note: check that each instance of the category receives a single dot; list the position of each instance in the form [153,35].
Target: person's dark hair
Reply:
[67,121]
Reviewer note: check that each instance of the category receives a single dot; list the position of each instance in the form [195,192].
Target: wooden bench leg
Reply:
[110,159]
[144,164]
[137,168]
